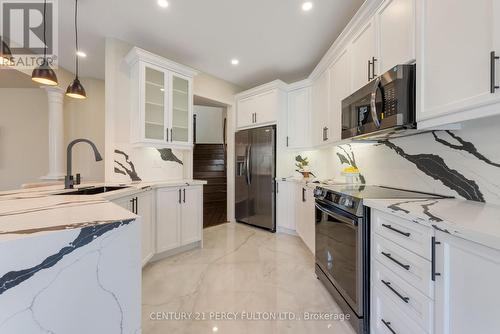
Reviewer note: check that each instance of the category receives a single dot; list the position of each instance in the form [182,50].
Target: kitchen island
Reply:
[68,264]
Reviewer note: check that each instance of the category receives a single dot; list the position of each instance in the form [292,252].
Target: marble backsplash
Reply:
[146,164]
[463,163]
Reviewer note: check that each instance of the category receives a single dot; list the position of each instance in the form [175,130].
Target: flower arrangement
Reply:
[302,165]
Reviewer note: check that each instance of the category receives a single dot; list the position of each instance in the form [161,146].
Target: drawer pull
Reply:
[388,284]
[388,255]
[406,234]
[433,258]
[388,325]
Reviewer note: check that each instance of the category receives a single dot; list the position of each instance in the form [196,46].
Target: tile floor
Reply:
[240,270]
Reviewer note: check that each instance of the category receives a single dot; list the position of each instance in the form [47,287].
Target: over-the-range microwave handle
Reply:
[336,215]
[373,102]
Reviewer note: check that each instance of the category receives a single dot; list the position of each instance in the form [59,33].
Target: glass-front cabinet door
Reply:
[155,100]
[181,111]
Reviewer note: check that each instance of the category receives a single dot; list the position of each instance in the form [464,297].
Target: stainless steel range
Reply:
[343,244]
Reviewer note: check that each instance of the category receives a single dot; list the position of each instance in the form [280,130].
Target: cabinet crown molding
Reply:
[361,18]
[276,84]
[138,54]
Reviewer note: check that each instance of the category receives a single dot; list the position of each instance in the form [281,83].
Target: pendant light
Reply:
[75,89]
[44,74]
[5,54]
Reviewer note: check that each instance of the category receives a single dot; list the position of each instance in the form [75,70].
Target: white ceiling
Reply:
[273,39]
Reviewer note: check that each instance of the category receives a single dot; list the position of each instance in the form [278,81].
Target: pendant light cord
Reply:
[76,36]
[44,31]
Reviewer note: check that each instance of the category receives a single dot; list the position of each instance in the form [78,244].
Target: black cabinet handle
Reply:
[171,135]
[369,67]
[326,133]
[277,187]
[387,226]
[388,325]
[433,258]
[388,255]
[403,298]
[184,195]
[373,67]
[493,59]
[255,117]
[286,141]
[133,204]
[303,195]
[136,206]
[179,196]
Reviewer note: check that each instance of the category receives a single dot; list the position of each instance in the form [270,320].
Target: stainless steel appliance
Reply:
[385,104]
[343,244]
[255,177]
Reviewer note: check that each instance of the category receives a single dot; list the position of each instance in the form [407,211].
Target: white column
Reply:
[56,134]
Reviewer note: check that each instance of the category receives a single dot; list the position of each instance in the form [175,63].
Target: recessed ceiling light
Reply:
[235,62]
[215,329]
[163,3]
[307,6]
[81,54]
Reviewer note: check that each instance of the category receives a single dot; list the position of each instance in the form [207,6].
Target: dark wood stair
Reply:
[209,163]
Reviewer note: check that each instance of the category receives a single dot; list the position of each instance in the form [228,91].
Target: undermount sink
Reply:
[93,190]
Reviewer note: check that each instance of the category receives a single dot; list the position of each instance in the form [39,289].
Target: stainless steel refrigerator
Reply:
[255,177]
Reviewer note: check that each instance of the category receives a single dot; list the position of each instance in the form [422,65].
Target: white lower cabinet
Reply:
[467,291]
[285,199]
[144,207]
[179,219]
[191,215]
[304,213]
[170,218]
[387,318]
[142,204]
[295,210]
[461,297]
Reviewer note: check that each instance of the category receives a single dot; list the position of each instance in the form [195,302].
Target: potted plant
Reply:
[303,168]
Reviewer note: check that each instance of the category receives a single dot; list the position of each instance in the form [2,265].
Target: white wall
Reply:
[23,136]
[85,119]
[24,132]
[209,125]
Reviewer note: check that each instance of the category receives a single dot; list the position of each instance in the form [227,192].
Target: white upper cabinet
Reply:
[299,118]
[454,67]
[363,56]
[261,105]
[320,109]
[340,88]
[246,112]
[396,33]
[466,290]
[162,101]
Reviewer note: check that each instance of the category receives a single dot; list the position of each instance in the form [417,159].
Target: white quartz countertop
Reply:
[310,183]
[474,221]
[26,212]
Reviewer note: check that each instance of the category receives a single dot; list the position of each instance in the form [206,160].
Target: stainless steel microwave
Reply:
[384,104]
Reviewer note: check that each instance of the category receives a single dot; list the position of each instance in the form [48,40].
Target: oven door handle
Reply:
[373,102]
[336,215]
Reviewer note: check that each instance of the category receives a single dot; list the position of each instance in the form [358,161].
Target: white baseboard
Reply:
[285,230]
[172,252]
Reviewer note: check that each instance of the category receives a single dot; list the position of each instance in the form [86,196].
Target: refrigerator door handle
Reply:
[246,165]
[249,164]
